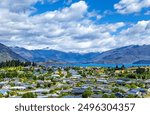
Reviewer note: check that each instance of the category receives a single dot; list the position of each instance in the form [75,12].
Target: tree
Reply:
[87,93]
[130,96]
[122,67]
[1,95]
[29,95]
[15,63]
[133,76]
[140,70]
[112,96]
[105,96]
[68,75]
[115,90]
[116,68]
[61,75]
[83,75]
[38,85]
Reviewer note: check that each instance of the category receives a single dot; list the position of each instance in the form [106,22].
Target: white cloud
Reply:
[19,6]
[131,6]
[138,33]
[68,29]
[65,1]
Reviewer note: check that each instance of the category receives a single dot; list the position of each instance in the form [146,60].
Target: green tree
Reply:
[115,90]
[1,95]
[112,95]
[140,70]
[29,95]
[105,96]
[87,93]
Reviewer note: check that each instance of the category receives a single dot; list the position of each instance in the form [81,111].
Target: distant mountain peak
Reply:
[123,55]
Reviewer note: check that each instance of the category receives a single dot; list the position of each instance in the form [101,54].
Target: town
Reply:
[29,80]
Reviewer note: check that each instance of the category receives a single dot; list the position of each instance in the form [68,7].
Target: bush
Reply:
[105,96]
[130,96]
[112,96]
[87,93]
[115,90]
[29,95]
[1,95]
[133,86]
[140,70]
[128,86]
[133,76]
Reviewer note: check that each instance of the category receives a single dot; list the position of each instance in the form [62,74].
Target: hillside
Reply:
[53,55]
[124,55]
[7,54]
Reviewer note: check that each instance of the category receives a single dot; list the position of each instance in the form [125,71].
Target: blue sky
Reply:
[75,25]
[103,7]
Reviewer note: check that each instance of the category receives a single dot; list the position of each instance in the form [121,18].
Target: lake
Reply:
[98,65]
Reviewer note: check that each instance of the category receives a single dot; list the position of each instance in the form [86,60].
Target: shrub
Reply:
[29,95]
[105,96]
[87,93]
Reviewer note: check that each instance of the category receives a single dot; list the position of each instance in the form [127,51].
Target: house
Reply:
[124,79]
[85,86]
[96,91]
[6,87]
[18,88]
[124,89]
[78,91]
[120,82]
[4,92]
[97,96]
[76,76]
[73,96]
[119,95]
[2,84]
[53,95]
[66,91]
[73,72]
[40,81]
[111,80]
[17,83]
[103,81]
[107,91]
[90,77]
[148,90]
[55,76]
[103,86]
[42,96]
[147,81]
[143,91]
[40,91]
[134,92]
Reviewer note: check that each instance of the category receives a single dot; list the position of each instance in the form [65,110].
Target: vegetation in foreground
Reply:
[28,80]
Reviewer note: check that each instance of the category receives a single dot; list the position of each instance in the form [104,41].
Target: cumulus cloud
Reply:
[19,5]
[131,6]
[138,33]
[67,29]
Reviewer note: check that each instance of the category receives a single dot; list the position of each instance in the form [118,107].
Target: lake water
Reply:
[99,65]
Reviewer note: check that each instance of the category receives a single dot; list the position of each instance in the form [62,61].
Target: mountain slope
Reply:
[53,55]
[125,55]
[7,54]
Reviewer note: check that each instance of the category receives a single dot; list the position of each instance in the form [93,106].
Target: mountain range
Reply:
[133,54]
[54,55]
